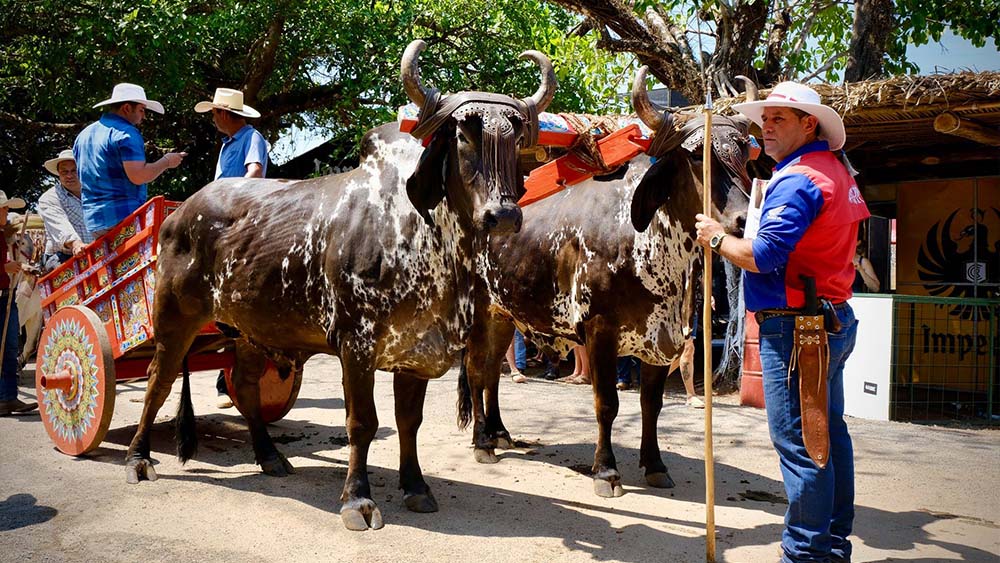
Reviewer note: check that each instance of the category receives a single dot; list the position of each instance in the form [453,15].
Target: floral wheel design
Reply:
[75,380]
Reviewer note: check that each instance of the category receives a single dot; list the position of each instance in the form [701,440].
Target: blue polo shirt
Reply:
[100,150]
[246,147]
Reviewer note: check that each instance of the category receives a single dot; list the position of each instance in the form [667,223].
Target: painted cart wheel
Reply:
[277,397]
[75,380]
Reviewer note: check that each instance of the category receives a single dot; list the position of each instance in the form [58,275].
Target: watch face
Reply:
[714,242]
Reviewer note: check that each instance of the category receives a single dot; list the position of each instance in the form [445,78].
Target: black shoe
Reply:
[16,406]
[551,373]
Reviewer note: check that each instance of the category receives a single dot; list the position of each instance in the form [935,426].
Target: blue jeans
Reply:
[820,501]
[520,351]
[626,365]
[10,371]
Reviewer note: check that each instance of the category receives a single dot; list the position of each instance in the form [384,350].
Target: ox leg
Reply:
[482,362]
[602,352]
[359,511]
[249,368]
[501,334]
[172,342]
[409,392]
[651,379]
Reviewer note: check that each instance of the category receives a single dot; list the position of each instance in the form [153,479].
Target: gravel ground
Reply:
[923,493]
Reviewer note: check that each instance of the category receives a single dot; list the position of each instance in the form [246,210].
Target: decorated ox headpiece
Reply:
[729,146]
[504,124]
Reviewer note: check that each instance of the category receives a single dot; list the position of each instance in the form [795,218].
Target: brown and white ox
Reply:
[375,265]
[609,264]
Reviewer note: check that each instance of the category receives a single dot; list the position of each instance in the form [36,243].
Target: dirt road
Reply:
[923,493]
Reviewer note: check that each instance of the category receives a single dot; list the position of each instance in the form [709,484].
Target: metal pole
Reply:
[10,295]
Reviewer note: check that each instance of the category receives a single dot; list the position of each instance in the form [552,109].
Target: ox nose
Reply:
[504,218]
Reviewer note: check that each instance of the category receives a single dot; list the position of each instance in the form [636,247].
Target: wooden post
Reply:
[951,124]
[706,330]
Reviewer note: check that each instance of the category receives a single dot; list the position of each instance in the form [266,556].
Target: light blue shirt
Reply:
[244,148]
[101,150]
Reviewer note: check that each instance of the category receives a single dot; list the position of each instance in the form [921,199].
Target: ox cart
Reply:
[98,310]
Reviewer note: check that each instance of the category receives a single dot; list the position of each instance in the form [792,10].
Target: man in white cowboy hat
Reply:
[244,149]
[61,209]
[243,155]
[9,403]
[111,159]
[808,229]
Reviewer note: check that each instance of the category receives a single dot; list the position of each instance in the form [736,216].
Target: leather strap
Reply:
[811,355]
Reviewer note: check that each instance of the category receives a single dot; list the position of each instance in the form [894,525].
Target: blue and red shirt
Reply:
[808,226]
[101,150]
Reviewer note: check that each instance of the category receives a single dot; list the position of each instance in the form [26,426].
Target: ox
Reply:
[375,266]
[608,263]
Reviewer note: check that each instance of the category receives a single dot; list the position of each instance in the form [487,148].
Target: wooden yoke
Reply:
[616,149]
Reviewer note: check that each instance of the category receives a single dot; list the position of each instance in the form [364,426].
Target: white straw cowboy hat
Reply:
[229,100]
[126,92]
[13,203]
[52,164]
[802,97]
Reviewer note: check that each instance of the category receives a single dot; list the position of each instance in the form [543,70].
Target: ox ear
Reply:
[652,192]
[425,187]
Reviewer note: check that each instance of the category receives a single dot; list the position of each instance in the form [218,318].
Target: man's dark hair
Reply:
[118,105]
[802,114]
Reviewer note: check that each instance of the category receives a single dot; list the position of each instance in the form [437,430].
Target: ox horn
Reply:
[409,72]
[751,88]
[648,111]
[547,90]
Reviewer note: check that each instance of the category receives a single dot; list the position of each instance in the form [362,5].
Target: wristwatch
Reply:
[716,240]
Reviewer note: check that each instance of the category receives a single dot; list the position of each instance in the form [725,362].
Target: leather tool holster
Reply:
[811,355]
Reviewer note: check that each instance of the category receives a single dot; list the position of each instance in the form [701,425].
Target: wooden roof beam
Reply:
[952,124]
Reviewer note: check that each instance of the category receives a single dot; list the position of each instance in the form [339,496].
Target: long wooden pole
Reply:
[10,294]
[706,331]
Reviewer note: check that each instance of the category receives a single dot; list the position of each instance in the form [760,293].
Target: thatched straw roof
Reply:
[890,122]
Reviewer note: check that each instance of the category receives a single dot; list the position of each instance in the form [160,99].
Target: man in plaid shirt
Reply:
[66,232]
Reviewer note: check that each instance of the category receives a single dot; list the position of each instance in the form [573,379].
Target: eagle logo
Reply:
[967,265]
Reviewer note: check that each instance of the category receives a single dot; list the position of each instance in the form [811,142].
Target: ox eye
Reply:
[461,137]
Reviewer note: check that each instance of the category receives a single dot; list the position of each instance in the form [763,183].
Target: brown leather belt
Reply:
[765,314]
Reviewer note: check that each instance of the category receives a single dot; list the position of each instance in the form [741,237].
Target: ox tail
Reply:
[464,402]
[185,435]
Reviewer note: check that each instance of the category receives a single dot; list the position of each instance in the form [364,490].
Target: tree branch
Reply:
[825,66]
[262,57]
[19,121]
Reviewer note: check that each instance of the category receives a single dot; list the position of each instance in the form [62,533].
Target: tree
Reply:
[778,39]
[303,62]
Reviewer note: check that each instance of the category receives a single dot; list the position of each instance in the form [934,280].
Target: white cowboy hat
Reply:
[52,164]
[802,97]
[126,92]
[229,100]
[13,203]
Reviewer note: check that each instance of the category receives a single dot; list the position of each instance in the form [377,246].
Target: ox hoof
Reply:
[277,467]
[361,514]
[422,502]
[660,480]
[504,442]
[608,489]
[139,469]
[485,456]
